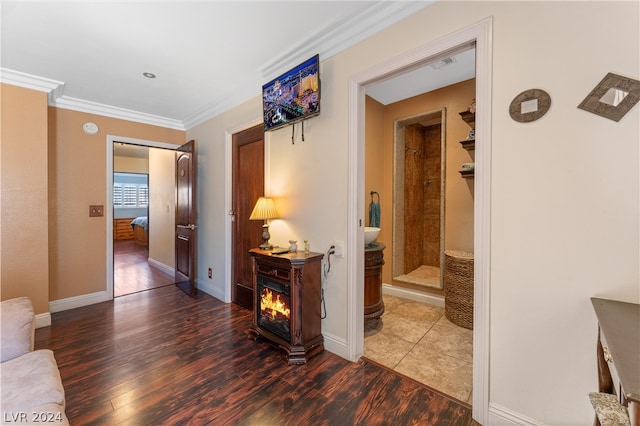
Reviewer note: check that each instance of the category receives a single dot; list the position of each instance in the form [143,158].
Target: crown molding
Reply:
[331,40]
[206,113]
[326,42]
[55,96]
[53,88]
[75,104]
[210,111]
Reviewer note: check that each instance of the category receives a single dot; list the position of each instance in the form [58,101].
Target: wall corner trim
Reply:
[212,290]
[163,267]
[336,345]
[43,320]
[499,415]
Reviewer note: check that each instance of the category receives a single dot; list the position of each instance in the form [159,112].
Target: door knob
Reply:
[233,215]
[190,226]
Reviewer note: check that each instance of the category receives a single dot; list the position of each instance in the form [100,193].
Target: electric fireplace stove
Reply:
[274,306]
[287,298]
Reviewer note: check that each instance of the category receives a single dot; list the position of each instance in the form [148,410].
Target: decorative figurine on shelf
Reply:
[472,135]
[293,246]
[307,248]
[472,107]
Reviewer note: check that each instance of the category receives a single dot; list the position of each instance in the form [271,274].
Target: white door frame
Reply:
[481,34]
[111,139]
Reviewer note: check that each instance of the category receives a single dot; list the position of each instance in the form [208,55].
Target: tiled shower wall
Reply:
[422,195]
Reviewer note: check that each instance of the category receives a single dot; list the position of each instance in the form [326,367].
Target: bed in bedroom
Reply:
[140,227]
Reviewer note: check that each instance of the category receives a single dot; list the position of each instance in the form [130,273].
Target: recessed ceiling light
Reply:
[149,75]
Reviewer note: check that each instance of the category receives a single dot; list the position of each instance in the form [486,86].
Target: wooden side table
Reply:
[373,261]
[618,352]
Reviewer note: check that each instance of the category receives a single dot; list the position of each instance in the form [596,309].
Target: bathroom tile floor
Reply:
[417,340]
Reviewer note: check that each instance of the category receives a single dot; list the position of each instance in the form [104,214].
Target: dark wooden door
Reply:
[186,229]
[247,187]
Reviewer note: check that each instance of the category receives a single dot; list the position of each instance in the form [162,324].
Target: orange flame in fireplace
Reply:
[273,306]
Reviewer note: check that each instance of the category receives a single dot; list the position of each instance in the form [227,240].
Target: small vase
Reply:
[293,246]
[307,248]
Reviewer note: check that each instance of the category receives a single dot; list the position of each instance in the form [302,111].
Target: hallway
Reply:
[131,270]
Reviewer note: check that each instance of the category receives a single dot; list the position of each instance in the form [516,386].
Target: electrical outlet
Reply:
[339,249]
[210,272]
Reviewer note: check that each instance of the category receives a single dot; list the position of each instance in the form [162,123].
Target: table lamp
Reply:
[264,209]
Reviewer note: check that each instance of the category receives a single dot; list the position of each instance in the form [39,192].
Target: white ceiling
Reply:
[208,56]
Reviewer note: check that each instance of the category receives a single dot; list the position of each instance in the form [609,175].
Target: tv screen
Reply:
[293,96]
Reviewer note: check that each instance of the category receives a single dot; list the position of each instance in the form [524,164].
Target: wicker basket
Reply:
[458,288]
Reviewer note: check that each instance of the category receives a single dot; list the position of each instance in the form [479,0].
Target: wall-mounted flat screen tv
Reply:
[293,96]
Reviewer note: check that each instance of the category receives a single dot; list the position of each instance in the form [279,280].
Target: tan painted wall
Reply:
[51,173]
[78,247]
[24,260]
[162,211]
[376,171]
[130,165]
[379,158]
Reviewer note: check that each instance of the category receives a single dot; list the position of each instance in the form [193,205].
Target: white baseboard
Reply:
[211,290]
[336,345]
[159,265]
[405,293]
[499,416]
[78,301]
[43,320]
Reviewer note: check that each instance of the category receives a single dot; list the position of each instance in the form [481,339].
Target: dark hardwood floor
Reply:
[131,269]
[161,357]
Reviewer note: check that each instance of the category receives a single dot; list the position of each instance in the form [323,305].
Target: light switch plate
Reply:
[96,211]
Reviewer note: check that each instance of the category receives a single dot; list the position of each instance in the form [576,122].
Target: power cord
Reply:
[327,269]
[324,306]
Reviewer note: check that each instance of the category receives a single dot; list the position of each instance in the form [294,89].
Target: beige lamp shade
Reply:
[264,209]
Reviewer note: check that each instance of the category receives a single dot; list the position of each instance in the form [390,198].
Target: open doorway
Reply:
[414,336]
[131,269]
[141,195]
[479,36]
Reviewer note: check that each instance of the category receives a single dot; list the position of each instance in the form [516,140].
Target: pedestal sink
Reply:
[370,234]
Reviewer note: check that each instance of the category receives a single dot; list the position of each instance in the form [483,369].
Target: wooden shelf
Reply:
[469,118]
[467,174]
[469,144]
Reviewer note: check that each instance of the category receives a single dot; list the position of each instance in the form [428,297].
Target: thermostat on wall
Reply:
[90,128]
